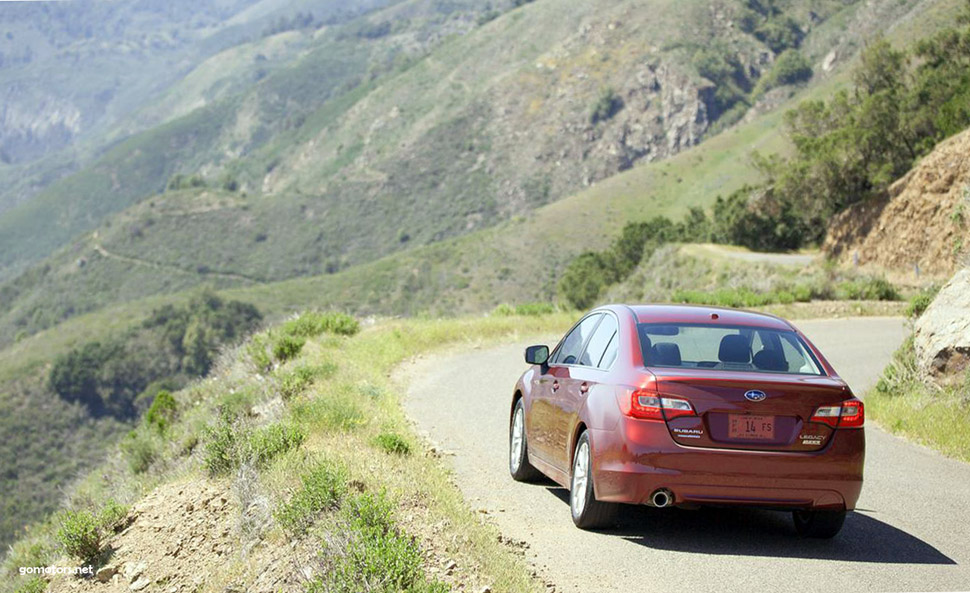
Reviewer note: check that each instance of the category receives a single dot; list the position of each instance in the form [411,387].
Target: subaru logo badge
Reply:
[755,396]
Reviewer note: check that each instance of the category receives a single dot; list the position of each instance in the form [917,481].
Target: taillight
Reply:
[850,414]
[648,405]
[853,414]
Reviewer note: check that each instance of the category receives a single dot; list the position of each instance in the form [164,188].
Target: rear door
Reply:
[584,373]
[545,414]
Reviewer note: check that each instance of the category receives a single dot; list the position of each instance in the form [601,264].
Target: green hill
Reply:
[354,172]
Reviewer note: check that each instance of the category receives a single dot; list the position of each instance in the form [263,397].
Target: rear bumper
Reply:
[639,456]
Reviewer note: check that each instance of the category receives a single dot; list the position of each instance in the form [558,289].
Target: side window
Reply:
[598,343]
[612,349]
[572,344]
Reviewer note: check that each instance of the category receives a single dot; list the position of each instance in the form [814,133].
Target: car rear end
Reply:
[706,428]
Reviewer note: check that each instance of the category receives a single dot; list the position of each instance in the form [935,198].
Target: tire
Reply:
[818,524]
[587,512]
[519,466]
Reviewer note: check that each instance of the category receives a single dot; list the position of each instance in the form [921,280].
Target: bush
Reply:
[219,452]
[111,515]
[287,347]
[140,449]
[268,443]
[322,489]
[32,585]
[80,535]
[607,105]
[378,557]
[299,379]
[313,324]
[525,309]
[162,411]
[791,67]
[392,443]
[869,289]
[921,301]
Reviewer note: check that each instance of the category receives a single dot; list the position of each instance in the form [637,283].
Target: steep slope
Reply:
[921,228]
[524,109]
[72,74]
[405,171]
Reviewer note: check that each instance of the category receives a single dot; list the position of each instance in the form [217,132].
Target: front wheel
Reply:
[818,524]
[519,466]
[587,512]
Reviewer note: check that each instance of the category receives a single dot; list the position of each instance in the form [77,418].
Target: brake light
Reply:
[853,414]
[647,405]
[850,414]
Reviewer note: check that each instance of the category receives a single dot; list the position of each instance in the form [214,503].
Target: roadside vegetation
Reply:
[906,402]
[321,438]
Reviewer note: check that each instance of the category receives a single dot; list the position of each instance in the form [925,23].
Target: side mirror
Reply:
[537,355]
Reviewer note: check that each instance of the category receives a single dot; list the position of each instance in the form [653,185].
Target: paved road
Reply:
[912,532]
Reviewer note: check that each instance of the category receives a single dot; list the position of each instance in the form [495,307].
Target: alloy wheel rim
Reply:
[580,478]
[517,438]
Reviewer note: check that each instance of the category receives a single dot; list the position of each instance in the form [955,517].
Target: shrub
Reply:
[869,289]
[111,515]
[140,449]
[392,443]
[921,301]
[791,67]
[321,489]
[296,381]
[32,585]
[525,309]
[267,443]
[219,453]
[606,106]
[80,535]
[287,347]
[257,351]
[378,556]
[313,324]
[162,411]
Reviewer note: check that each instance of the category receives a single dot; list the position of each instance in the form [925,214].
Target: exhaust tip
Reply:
[662,498]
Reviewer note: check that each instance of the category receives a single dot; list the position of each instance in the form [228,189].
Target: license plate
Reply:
[751,427]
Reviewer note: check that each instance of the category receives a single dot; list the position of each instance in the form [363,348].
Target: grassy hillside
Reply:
[368,127]
[300,452]
[265,247]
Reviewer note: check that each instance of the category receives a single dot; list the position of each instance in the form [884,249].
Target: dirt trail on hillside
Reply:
[100,249]
[909,533]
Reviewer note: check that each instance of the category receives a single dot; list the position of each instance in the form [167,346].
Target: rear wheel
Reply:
[820,524]
[587,512]
[519,465]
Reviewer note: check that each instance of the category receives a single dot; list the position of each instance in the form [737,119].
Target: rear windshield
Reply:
[726,348]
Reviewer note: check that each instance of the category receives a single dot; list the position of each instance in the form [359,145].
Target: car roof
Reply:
[705,314]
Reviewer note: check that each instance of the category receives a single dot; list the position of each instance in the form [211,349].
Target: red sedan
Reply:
[687,406]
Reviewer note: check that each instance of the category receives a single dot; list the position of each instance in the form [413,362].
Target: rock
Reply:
[829,60]
[140,584]
[105,573]
[133,571]
[942,332]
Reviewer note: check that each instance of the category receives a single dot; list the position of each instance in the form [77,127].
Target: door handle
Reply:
[584,388]
[555,385]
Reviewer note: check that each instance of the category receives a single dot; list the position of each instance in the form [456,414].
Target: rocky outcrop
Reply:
[942,333]
[923,224]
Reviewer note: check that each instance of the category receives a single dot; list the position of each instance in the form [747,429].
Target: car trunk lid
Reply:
[774,415]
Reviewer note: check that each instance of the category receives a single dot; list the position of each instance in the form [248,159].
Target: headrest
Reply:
[665,354]
[734,348]
[771,360]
